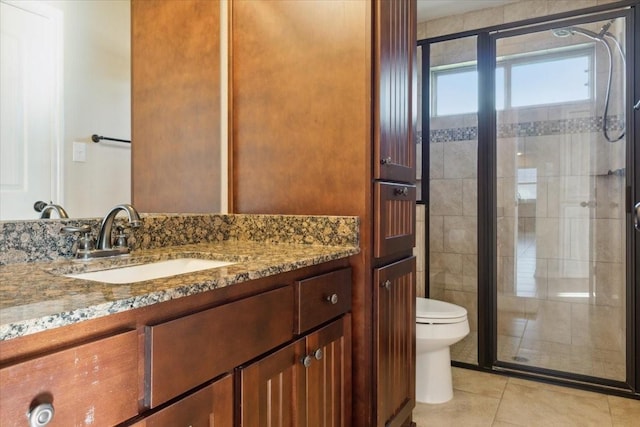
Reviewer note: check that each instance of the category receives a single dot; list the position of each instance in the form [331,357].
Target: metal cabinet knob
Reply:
[333,298]
[318,354]
[41,415]
[306,361]
[404,191]
[386,284]
[386,161]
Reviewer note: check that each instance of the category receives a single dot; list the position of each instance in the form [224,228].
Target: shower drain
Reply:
[520,359]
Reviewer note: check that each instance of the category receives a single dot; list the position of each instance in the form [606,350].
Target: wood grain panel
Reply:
[395,221]
[313,298]
[395,118]
[272,389]
[175,150]
[92,384]
[209,407]
[329,379]
[189,348]
[395,330]
[300,107]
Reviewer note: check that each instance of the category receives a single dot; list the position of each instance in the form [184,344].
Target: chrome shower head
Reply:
[562,32]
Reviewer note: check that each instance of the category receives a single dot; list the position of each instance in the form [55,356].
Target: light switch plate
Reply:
[79,152]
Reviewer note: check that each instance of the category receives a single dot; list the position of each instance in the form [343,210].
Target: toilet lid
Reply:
[434,311]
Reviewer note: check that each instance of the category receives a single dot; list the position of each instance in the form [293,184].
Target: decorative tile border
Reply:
[523,129]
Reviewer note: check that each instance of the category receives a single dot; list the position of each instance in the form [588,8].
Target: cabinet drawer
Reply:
[322,298]
[210,406]
[189,351]
[395,218]
[91,384]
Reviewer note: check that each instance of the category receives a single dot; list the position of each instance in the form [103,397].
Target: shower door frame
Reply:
[487,195]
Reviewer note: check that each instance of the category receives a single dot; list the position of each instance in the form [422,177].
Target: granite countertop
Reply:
[37,296]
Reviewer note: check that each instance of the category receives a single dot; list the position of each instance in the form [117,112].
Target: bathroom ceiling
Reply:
[432,9]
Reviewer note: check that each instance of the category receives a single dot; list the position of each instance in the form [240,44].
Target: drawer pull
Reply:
[386,284]
[404,191]
[333,298]
[41,415]
[318,354]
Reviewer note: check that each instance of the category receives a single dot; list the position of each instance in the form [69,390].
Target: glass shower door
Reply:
[561,156]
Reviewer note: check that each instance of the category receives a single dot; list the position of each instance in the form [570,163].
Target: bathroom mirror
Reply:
[66,75]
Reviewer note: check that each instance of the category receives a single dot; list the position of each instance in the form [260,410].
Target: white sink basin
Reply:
[155,270]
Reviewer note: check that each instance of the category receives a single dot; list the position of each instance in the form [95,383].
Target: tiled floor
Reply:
[481,399]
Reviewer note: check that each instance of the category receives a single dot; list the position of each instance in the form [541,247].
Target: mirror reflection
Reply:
[65,75]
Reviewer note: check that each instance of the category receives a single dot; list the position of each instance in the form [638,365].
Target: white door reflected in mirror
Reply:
[30,108]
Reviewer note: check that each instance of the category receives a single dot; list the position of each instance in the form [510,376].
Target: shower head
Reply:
[570,31]
[562,32]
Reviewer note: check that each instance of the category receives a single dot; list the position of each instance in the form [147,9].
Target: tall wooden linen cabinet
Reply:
[322,117]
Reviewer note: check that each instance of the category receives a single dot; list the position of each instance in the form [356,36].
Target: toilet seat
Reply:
[438,312]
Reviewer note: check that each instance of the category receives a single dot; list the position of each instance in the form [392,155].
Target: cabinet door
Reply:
[395,327]
[395,110]
[271,389]
[395,218]
[208,407]
[328,376]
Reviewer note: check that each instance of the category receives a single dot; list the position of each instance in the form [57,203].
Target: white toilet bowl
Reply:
[439,324]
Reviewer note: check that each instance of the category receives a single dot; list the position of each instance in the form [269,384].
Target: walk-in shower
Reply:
[601,37]
[526,171]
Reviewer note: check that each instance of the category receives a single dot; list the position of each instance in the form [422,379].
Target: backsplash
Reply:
[42,240]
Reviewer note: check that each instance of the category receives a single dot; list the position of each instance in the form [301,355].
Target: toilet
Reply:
[439,324]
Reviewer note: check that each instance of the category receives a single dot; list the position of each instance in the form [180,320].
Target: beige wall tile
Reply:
[446,197]
[436,233]
[460,234]
[525,10]
[558,6]
[483,18]
[442,26]
[460,159]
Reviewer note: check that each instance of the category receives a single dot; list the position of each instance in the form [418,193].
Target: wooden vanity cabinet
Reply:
[395,328]
[94,383]
[308,382]
[334,136]
[305,384]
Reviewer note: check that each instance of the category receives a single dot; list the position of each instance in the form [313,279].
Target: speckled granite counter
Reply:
[36,296]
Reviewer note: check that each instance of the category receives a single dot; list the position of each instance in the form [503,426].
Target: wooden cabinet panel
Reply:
[189,351]
[269,389]
[395,221]
[304,384]
[395,328]
[394,112]
[91,384]
[322,298]
[329,378]
[175,149]
[208,407]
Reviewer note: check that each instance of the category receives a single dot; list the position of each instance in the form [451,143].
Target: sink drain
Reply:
[520,359]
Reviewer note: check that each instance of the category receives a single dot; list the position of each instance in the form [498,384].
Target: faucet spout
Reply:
[46,211]
[104,236]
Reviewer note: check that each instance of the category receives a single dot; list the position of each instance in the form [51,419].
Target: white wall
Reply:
[97,99]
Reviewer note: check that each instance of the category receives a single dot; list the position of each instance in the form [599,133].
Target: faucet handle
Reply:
[121,238]
[86,242]
[69,229]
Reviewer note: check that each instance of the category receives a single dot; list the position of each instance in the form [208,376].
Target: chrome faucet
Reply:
[104,235]
[46,208]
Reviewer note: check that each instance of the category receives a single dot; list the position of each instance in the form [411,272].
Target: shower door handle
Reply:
[636,216]
[637,106]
